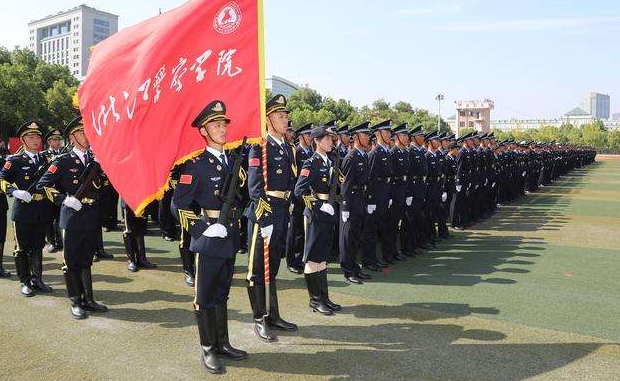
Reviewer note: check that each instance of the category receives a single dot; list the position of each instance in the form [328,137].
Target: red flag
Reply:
[146,84]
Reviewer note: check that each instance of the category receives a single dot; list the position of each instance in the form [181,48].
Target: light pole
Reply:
[439,98]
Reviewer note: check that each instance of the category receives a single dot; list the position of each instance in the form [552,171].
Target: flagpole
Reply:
[266,240]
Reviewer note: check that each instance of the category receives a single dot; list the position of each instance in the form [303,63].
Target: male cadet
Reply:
[446,140]
[378,198]
[295,234]
[32,212]
[355,171]
[4,208]
[434,183]
[343,140]
[54,140]
[411,229]
[268,215]
[399,157]
[201,184]
[79,218]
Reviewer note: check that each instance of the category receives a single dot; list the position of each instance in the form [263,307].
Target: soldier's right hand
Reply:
[23,195]
[216,230]
[73,203]
[345,216]
[266,233]
[371,208]
[327,208]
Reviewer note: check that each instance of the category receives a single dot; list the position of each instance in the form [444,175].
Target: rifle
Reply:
[86,179]
[334,197]
[230,189]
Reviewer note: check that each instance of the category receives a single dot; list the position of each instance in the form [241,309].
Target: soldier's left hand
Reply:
[327,208]
[409,200]
[390,204]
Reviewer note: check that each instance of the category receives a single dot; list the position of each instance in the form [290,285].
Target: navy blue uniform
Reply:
[354,169]
[200,186]
[378,193]
[295,233]
[412,228]
[313,188]
[398,192]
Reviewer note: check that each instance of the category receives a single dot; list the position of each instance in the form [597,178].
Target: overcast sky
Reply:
[535,59]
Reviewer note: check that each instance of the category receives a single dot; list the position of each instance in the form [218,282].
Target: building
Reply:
[279,85]
[473,114]
[616,116]
[65,38]
[596,104]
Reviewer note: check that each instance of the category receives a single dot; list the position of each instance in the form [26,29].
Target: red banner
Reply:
[147,83]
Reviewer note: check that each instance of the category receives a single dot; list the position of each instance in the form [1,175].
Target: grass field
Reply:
[530,294]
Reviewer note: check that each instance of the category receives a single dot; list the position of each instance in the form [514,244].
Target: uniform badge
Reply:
[26,177]
[279,171]
[254,162]
[75,181]
[324,179]
[219,167]
[281,152]
[185,179]
[7,165]
[216,192]
[52,168]
[30,161]
[305,172]
[77,161]
[211,161]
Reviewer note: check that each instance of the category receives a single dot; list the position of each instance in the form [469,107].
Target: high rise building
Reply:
[596,104]
[279,85]
[65,38]
[473,114]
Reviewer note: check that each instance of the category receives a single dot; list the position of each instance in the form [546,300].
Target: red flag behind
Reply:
[146,84]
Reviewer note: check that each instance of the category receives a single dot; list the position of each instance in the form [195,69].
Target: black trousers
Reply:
[375,230]
[411,226]
[394,216]
[80,246]
[29,242]
[277,246]
[295,238]
[213,279]
[349,243]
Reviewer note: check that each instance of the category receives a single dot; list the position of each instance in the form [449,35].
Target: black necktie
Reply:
[224,161]
[35,159]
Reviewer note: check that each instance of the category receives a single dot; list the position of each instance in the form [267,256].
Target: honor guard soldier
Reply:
[205,182]
[317,186]
[343,140]
[378,197]
[398,191]
[295,235]
[412,227]
[32,212]
[187,256]
[355,171]
[434,183]
[268,216]
[53,138]
[73,182]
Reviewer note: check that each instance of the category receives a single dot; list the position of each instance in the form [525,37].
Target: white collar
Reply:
[278,141]
[324,157]
[384,147]
[30,154]
[216,153]
[80,154]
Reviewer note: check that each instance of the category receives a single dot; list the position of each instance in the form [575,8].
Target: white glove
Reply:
[444,197]
[486,181]
[22,195]
[371,208]
[266,233]
[327,208]
[458,188]
[523,174]
[216,230]
[409,200]
[493,185]
[389,203]
[73,203]
[345,216]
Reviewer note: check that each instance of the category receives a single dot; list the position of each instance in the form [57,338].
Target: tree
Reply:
[305,97]
[60,109]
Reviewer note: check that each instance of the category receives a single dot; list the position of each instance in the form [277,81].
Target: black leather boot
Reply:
[100,253]
[3,272]
[317,303]
[36,268]
[72,280]
[207,333]
[223,346]
[22,266]
[274,320]
[131,254]
[325,288]
[88,301]
[141,254]
[187,258]
[259,310]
